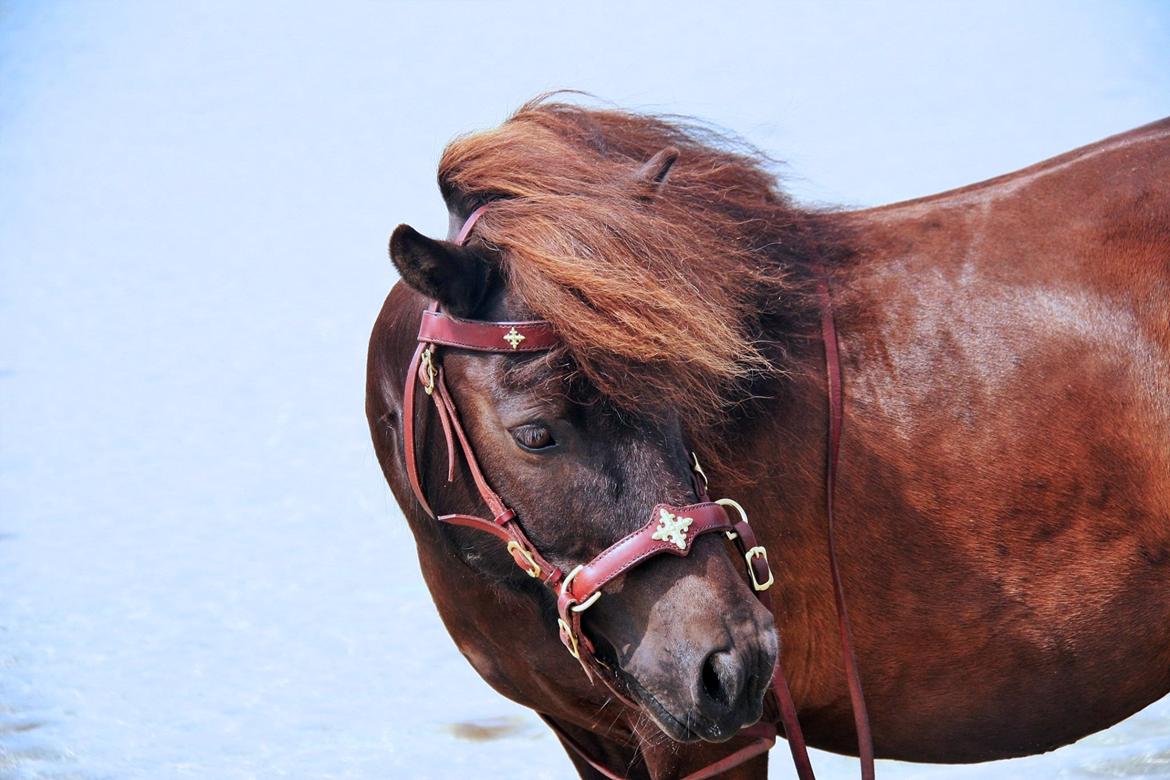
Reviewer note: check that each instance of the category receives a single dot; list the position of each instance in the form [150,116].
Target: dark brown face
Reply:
[687,636]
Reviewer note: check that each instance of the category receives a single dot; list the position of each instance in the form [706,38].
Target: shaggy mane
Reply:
[661,301]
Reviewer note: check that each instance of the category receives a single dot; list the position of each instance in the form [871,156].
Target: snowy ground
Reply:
[202,573]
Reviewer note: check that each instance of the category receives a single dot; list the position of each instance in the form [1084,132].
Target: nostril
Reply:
[721,676]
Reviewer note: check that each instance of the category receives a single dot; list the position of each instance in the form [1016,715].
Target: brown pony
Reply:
[1003,507]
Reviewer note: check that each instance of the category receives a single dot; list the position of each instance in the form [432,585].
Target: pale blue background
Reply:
[202,573]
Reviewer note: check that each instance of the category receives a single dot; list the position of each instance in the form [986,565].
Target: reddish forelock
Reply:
[658,300]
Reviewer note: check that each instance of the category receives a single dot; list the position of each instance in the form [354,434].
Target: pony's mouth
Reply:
[688,728]
[670,725]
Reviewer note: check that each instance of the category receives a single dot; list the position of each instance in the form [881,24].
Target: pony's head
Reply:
[655,252]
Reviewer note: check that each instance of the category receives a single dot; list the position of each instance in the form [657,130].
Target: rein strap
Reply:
[848,655]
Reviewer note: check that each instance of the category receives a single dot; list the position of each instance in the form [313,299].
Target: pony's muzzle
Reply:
[732,681]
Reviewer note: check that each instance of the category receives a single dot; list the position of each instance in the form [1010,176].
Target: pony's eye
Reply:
[533,437]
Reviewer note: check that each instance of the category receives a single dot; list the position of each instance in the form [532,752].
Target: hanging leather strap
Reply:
[763,738]
[849,657]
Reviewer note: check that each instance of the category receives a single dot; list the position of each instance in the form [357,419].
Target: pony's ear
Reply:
[650,177]
[452,275]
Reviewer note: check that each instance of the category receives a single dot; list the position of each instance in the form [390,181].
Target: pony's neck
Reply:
[786,406]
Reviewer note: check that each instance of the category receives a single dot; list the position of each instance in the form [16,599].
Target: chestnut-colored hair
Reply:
[657,289]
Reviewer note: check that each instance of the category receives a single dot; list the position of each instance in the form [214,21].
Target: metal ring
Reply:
[733,503]
[732,535]
[589,602]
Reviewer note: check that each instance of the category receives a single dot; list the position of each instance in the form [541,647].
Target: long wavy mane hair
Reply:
[667,299]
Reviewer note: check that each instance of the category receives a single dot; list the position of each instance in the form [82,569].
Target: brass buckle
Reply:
[756,552]
[533,569]
[589,602]
[571,645]
[429,366]
[759,551]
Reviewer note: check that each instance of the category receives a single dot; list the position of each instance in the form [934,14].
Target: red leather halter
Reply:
[671,530]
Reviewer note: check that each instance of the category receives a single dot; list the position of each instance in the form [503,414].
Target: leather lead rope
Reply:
[764,738]
[849,658]
[791,723]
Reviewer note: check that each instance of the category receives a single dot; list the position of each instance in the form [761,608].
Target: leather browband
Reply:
[530,336]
